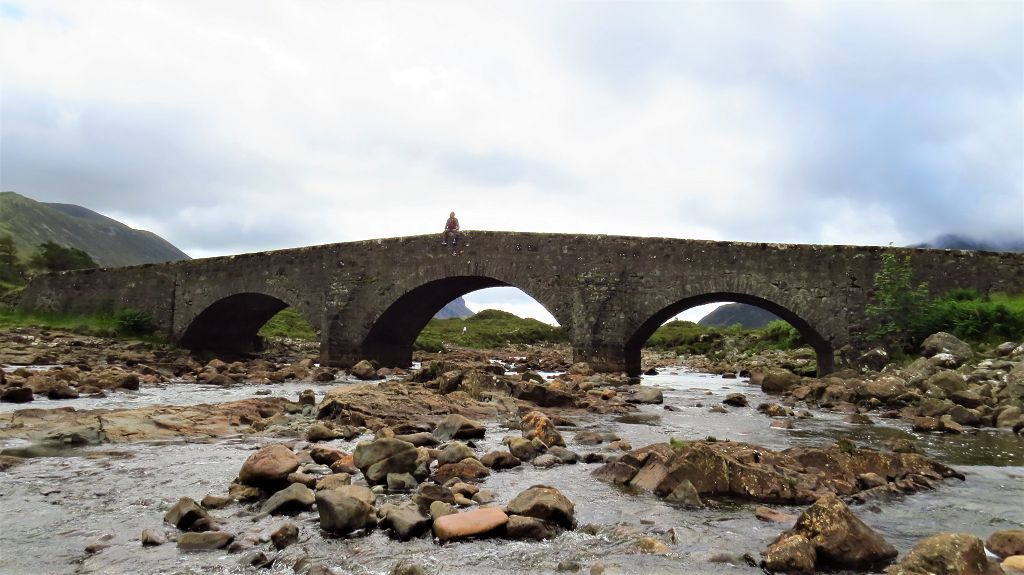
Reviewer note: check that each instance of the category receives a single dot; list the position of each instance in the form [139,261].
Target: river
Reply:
[56,504]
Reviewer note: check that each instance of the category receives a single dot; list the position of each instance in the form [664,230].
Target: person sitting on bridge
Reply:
[451,231]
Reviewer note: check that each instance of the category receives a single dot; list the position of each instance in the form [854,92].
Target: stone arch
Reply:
[392,331]
[230,324]
[822,347]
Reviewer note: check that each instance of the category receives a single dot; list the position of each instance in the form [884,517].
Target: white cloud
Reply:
[229,127]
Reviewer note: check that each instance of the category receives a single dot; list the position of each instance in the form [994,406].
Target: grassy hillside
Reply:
[488,329]
[107,241]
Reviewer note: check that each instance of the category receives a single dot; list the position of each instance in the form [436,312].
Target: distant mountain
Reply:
[107,241]
[748,316]
[958,242]
[455,308]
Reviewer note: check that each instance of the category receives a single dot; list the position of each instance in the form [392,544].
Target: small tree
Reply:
[896,305]
[11,270]
[55,257]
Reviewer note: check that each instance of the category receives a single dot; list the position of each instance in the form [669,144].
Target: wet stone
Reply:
[206,540]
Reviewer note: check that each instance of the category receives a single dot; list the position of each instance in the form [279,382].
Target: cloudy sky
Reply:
[228,127]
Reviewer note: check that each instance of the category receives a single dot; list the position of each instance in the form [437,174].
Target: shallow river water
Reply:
[52,507]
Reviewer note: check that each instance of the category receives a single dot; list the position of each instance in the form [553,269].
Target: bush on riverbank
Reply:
[973,317]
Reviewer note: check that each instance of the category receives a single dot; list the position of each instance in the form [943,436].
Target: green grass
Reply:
[289,323]
[101,325]
[973,317]
[488,329]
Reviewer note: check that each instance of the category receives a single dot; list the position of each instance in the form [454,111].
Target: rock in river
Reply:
[342,513]
[475,523]
[379,457]
[947,554]
[285,535]
[269,466]
[796,475]
[293,499]
[456,426]
[204,541]
[1007,542]
[537,425]
[546,503]
[185,513]
[405,521]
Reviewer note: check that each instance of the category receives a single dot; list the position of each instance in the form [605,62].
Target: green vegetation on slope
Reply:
[686,337]
[488,329]
[53,257]
[290,324]
[107,241]
[972,317]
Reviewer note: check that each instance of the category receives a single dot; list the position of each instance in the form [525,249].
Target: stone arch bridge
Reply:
[370,299]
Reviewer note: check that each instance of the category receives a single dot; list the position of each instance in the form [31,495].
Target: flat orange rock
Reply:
[469,524]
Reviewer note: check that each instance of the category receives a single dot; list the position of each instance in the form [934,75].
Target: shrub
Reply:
[134,322]
[780,335]
[896,304]
[972,317]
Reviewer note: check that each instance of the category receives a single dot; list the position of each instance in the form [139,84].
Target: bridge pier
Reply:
[387,355]
[606,358]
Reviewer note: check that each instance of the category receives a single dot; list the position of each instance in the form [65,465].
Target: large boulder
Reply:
[943,342]
[827,535]
[839,538]
[545,503]
[428,493]
[456,426]
[204,541]
[381,456]
[947,554]
[537,425]
[775,380]
[342,513]
[543,395]
[475,523]
[405,521]
[185,513]
[646,395]
[468,469]
[1007,542]
[885,388]
[269,466]
[16,395]
[521,527]
[455,452]
[481,384]
[875,359]
[292,499]
[525,449]
[790,553]
[948,381]
[364,370]
[501,459]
